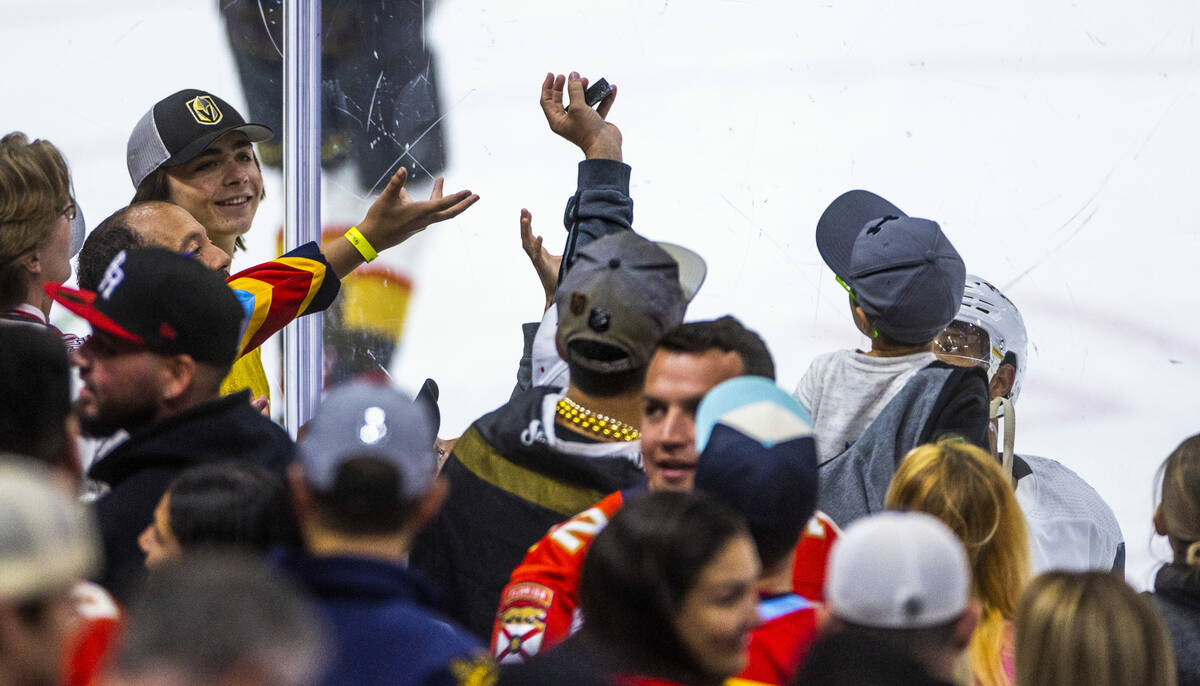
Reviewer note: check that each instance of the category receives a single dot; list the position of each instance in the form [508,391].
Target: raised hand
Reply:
[544,262]
[578,123]
[394,217]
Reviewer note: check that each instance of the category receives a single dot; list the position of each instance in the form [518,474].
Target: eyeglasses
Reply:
[849,290]
[854,298]
[70,211]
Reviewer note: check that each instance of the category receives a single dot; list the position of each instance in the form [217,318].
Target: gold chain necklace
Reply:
[601,425]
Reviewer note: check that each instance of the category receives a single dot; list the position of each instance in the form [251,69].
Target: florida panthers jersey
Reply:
[539,608]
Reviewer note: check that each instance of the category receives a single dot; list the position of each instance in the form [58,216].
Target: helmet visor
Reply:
[963,344]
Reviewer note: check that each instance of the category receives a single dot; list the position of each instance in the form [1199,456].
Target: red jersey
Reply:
[778,645]
[539,604]
[812,556]
[539,608]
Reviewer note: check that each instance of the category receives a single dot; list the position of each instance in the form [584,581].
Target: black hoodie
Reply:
[138,471]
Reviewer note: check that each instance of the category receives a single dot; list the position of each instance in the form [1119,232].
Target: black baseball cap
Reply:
[181,126]
[168,303]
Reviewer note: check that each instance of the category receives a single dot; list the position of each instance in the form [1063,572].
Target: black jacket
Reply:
[508,486]
[138,471]
[1177,597]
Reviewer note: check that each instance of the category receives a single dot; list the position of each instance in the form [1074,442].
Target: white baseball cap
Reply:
[898,570]
[47,540]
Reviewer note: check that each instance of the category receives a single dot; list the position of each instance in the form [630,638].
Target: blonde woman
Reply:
[1177,585]
[964,487]
[1089,628]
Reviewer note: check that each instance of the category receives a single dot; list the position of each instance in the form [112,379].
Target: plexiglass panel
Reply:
[1053,141]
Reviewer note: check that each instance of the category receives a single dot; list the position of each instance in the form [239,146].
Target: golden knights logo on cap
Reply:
[204,110]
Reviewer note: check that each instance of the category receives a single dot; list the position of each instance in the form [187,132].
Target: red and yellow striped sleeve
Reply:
[275,293]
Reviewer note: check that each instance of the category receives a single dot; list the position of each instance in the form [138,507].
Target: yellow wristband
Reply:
[361,244]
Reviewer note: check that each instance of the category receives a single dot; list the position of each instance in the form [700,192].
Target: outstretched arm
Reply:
[395,217]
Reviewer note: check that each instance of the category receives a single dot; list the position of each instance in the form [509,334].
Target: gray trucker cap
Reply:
[181,126]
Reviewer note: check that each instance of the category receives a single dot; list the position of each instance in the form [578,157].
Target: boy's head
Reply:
[901,270]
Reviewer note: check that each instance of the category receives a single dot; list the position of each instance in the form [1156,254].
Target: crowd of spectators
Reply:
[649,507]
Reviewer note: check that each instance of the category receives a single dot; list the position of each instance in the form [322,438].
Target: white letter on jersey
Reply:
[584,526]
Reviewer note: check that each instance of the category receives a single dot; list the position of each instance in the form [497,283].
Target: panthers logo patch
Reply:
[522,621]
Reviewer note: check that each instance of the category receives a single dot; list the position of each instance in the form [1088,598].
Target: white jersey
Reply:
[1071,528]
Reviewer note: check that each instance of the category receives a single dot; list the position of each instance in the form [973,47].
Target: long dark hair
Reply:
[637,573]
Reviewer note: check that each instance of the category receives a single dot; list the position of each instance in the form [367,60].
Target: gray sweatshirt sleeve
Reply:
[601,204]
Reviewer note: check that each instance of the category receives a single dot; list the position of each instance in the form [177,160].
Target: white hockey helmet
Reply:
[985,310]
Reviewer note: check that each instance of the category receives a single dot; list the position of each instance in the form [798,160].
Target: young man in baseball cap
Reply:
[904,281]
[192,148]
[550,453]
[898,597]
[165,330]
[364,484]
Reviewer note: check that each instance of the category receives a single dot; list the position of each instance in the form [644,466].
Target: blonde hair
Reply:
[35,187]
[963,486]
[1181,501]
[1090,628]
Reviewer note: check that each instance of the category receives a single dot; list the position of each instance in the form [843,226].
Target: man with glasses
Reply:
[869,408]
[41,229]
[165,331]
[1070,525]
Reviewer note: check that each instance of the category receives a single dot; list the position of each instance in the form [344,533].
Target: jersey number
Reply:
[580,529]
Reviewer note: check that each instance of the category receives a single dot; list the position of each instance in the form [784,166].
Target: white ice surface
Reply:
[1054,140]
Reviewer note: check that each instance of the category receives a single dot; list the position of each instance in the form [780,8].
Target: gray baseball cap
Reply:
[362,419]
[624,292]
[903,270]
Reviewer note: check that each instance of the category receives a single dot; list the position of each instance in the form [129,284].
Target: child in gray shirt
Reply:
[905,282]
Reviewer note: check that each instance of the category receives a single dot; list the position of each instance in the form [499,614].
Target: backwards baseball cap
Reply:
[898,570]
[181,126]
[622,292]
[902,270]
[47,540]
[757,454]
[166,302]
[361,419]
